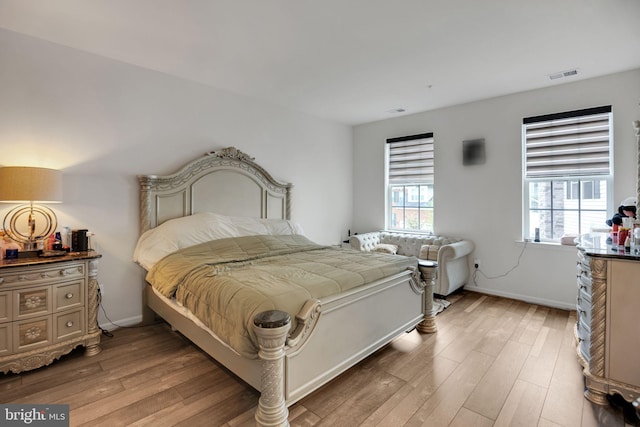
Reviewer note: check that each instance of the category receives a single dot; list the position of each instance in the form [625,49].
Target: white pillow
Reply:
[386,248]
[202,227]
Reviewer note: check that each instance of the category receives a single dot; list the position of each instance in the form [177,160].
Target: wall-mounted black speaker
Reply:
[473,152]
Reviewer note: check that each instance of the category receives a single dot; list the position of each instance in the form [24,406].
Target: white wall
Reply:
[103,122]
[484,202]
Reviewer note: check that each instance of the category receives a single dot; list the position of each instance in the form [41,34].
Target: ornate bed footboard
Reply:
[307,319]
[290,371]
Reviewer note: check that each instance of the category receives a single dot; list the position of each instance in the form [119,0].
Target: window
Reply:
[410,167]
[567,172]
[589,189]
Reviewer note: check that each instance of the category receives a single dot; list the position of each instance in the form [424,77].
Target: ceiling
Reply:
[351,61]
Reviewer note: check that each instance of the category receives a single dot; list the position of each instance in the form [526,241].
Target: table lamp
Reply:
[30,185]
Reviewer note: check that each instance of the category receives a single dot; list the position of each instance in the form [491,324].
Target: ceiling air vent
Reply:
[563,74]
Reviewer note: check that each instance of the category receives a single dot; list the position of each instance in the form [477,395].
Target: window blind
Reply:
[575,143]
[411,159]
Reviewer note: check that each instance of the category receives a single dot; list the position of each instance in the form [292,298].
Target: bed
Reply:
[201,228]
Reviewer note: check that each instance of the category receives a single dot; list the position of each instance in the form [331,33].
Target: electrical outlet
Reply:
[476,263]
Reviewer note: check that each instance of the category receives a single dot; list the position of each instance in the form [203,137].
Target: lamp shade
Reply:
[19,184]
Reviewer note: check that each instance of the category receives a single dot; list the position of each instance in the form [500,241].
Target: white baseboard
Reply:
[526,298]
[131,321]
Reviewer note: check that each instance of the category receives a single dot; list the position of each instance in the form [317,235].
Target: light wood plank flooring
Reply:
[493,362]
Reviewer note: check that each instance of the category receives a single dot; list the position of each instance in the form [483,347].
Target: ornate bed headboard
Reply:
[226,182]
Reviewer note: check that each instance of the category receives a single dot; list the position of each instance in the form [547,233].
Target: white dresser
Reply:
[48,306]
[608,327]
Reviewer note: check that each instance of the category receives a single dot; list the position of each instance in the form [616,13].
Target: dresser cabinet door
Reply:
[32,333]
[5,306]
[32,302]
[5,338]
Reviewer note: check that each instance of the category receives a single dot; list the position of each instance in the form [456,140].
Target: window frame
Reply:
[527,210]
[527,234]
[428,180]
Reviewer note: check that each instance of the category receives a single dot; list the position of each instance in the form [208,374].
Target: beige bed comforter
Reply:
[226,282]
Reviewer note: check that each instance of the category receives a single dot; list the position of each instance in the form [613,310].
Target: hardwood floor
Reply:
[493,362]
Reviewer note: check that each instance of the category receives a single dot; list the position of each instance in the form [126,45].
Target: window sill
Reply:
[546,245]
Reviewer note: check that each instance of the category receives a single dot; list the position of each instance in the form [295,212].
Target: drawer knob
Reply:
[69,324]
[44,274]
[22,278]
[69,295]
[64,273]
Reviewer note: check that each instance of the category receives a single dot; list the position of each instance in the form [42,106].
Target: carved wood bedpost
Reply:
[145,202]
[287,203]
[271,328]
[428,271]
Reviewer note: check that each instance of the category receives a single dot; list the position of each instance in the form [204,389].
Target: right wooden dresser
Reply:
[608,327]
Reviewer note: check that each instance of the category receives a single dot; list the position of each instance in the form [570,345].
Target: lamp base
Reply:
[31,237]
[34,245]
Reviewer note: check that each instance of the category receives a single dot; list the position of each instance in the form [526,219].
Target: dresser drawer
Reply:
[41,275]
[584,282]
[31,302]
[68,295]
[584,261]
[32,333]
[68,324]
[5,338]
[583,307]
[6,303]
[584,336]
